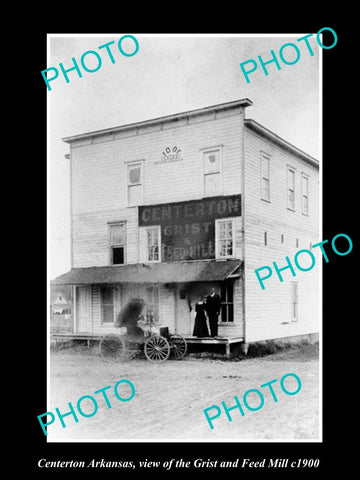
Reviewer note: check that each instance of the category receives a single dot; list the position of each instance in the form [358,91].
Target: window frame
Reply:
[289,169]
[225,303]
[218,221]
[129,165]
[155,287]
[294,302]
[265,156]
[110,226]
[146,229]
[305,176]
[207,151]
[112,287]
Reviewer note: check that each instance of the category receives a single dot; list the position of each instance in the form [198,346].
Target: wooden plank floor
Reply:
[212,340]
[188,338]
[226,341]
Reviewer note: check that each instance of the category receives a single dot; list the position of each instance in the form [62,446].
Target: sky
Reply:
[171,74]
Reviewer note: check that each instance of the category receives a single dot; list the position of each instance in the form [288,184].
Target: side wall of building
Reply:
[272,232]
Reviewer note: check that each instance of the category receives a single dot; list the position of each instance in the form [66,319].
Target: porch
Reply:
[226,341]
[170,292]
[190,339]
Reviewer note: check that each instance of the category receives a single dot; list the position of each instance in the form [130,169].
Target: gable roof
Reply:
[256,127]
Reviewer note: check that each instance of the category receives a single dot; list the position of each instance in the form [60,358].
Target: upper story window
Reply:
[212,172]
[304,194]
[117,243]
[224,237]
[291,188]
[135,183]
[265,177]
[153,244]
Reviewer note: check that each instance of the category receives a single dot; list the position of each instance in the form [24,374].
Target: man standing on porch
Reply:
[213,305]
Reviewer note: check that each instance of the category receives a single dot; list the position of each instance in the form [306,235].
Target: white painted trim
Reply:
[203,152]
[90,324]
[307,176]
[114,224]
[223,106]
[102,323]
[290,168]
[128,165]
[146,260]
[217,221]
[267,157]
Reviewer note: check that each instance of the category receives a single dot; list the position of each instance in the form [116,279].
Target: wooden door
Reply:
[83,308]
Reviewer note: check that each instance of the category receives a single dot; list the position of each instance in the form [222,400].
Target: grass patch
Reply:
[301,351]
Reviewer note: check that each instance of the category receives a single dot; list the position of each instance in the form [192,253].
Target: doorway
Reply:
[83,309]
[184,323]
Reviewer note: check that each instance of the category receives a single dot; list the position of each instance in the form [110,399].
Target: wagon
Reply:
[157,345]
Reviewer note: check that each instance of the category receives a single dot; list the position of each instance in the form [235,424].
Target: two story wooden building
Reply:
[167,208]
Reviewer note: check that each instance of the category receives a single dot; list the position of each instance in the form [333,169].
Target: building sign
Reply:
[169,155]
[188,228]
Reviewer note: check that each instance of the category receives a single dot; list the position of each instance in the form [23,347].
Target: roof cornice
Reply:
[256,127]
[245,102]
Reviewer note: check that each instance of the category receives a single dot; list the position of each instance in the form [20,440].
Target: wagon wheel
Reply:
[157,348]
[178,345]
[112,347]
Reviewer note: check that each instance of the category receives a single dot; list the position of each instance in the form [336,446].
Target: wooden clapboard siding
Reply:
[99,177]
[99,196]
[268,311]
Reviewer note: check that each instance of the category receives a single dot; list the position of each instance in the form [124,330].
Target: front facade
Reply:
[166,209]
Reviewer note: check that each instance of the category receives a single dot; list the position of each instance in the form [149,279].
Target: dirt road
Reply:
[170,398]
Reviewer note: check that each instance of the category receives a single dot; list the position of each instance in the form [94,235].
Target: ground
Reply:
[170,398]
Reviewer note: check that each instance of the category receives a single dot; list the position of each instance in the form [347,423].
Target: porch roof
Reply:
[172,272]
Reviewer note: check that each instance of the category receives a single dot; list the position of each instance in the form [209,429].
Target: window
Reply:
[224,238]
[305,194]
[265,239]
[117,244]
[153,244]
[291,188]
[107,303]
[135,183]
[265,177]
[152,303]
[294,302]
[227,303]
[212,172]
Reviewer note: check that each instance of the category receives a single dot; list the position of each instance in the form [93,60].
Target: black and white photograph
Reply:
[184,213]
[187,253]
